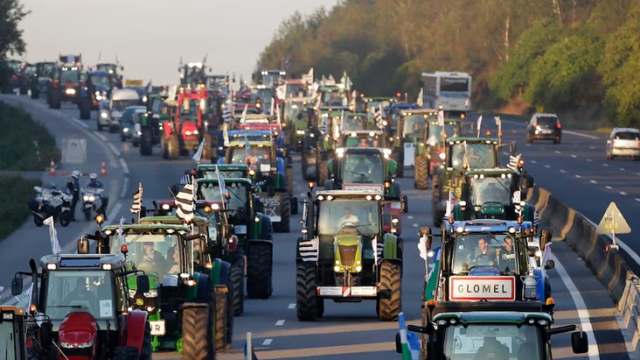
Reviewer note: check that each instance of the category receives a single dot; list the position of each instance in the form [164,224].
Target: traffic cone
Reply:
[103,168]
[52,168]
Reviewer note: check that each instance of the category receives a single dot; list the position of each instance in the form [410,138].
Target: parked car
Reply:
[623,142]
[544,127]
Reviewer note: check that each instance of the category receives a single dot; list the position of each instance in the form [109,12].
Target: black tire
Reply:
[221,318]
[421,173]
[390,283]
[122,138]
[146,141]
[87,214]
[55,101]
[259,271]
[135,143]
[125,353]
[323,171]
[435,196]
[283,226]
[145,354]
[294,205]
[35,94]
[85,109]
[38,221]
[236,277]
[207,150]
[65,218]
[197,337]
[398,156]
[423,343]
[289,173]
[173,147]
[306,292]
[112,129]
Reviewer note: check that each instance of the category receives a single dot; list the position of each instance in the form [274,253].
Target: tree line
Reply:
[11,42]
[577,57]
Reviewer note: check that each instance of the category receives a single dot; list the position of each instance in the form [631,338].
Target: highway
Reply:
[352,331]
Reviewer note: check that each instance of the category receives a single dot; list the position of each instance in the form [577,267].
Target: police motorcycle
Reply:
[51,202]
[92,202]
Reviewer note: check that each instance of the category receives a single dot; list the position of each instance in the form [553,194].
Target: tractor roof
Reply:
[295,82]
[494,171]
[206,167]
[363,150]
[402,106]
[488,311]
[419,111]
[334,108]
[474,140]
[259,117]
[249,132]
[98,73]
[487,225]
[84,261]
[330,88]
[348,193]
[299,99]
[362,132]
[379,98]
[226,180]
[243,143]
[484,317]
[170,220]
[147,227]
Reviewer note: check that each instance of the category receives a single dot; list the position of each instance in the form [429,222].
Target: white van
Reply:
[120,100]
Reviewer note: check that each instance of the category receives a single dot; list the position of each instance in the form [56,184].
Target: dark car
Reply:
[544,127]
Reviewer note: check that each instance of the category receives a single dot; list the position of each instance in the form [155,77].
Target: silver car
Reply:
[623,142]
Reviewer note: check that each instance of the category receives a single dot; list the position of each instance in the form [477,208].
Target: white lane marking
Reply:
[589,160]
[534,162]
[101,137]
[125,168]
[113,213]
[592,147]
[621,169]
[594,182]
[513,131]
[573,156]
[620,243]
[547,166]
[410,216]
[267,342]
[609,187]
[541,148]
[280,323]
[562,171]
[301,194]
[415,225]
[113,149]
[292,306]
[605,165]
[623,193]
[125,187]
[505,153]
[79,122]
[578,176]
[557,151]
[637,199]
[581,307]
[579,134]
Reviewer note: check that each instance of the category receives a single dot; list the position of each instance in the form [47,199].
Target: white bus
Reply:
[451,90]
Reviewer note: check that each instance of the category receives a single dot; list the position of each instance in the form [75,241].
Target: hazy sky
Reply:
[150,36]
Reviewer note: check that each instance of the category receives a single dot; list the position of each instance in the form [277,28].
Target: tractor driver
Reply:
[492,193]
[492,349]
[347,218]
[361,168]
[81,294]
[484,251]
[508,254]
[151,255]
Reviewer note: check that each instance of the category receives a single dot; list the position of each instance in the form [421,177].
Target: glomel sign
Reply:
[476,288]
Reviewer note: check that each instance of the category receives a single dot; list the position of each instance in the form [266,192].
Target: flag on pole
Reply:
[374,245]
[546,253]
[198,155]
[185,202]
[330,81]
[53,235]
[287,65]
[221,186]
[185,179]
[244,114]
[225,135]
[273,105]
[479,124]
[308,78]
[432,275]
[137,200]
[377,116]
[513,162]
[450,203]
[24,300]
[121,231]
[409,341]
[516,200]
[354,97]
[227,113]
[421,98]
[441,118]
[536,219]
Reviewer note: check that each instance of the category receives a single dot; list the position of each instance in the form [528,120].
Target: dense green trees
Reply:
[11,42]
[552,55]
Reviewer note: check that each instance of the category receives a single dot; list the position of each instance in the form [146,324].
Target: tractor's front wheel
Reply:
[173,147]
[259,270]
[125,353]
[283,225]
[390,296]
[236,278]
[323,171]
[145,354]
[306,293]
[197,337]
[421,173]
[289,172]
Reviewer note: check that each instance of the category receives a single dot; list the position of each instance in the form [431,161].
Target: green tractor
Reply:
[373,104]
[492,194]
[333,96]
[345,254]
[461,154]
[323,134]
[151,124]
[253,230]
[236,171]
[429,148]
[294,121]
[180,298]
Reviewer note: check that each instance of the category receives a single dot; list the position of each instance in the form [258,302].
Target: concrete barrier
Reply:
[581,235]
[629,307]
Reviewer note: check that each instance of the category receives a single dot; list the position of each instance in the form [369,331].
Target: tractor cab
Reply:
[432,143]
[492,194]
[269,78]
[264,96]
[409,132]
[66,87]
[467,330]
[392,112]
[112,69]
[295,88]
[260,122]
[295,120]
[486,260]
[345,255]
[333,96]
[371,105]
[13,332]
[44,75]
[192,75]
[98,87]
[359,130]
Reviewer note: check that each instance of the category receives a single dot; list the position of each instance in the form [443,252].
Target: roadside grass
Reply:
[604,130]
[25,144]
[15,198]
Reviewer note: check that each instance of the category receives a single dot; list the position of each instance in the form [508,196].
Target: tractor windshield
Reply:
[333,98]
[70,76]
[339,213]
[238,194]
[362,141]
[152,253]
[490,190]
[477,155]
[258,156]
[70,291]
[373,106]
[107,67]
[265,96]
[497,250]
[512,341]
[121,105]
[101,81]
[29,70]
[291,111]
[235,174]
[435,131]
[295,90]
[363,168]
[414,127]
[46,70]
[358,123]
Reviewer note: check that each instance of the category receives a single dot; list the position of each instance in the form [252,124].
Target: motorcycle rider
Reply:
[94,184]
[74,188]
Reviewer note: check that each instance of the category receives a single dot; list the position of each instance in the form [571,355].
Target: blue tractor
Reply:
[97,88]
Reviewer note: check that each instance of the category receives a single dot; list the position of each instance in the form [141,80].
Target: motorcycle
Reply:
[92,202]
[50,202]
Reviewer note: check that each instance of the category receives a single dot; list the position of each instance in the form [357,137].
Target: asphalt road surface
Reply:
[347,331]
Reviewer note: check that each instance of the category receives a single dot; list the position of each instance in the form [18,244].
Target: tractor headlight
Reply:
[432,143]
[358,268]
[104,115]
[125,130]
[442,156]
[336,268]
[153,293]
[132,293]
[539,253]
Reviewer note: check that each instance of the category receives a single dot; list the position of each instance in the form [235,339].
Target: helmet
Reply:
[75,174]
[93,176]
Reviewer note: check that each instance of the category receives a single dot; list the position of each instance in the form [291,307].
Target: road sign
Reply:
[613,222]
[74,150]
[130,82]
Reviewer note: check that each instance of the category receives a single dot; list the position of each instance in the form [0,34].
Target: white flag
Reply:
[221,186]
[422,246]
[546,253]
[273,103]
[121,232]
[421,98]
[441,118]
[374,245]
[225,135]
[479,125]
[450,203]
[498,121]
[198,155]
[281,92]
[53,235]
[244,114]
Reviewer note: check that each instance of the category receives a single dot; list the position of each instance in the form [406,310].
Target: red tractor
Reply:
[185,129]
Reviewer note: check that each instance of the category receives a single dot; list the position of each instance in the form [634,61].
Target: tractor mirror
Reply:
[46,328]
[16,286]
[83,246]
[259,204]
[550,265]
[398,344]
[579,342]
[142,283]
[512,148]
[204,246]
[418,329]
[300,117]
[122,68]
[545,237]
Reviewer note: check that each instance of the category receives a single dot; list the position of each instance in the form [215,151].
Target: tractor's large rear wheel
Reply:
[236,277]
[173,147]
[421,173]
[145,354]
[259,270]
[306,292]
[283,225]
[289,172]
[390,296]
[323,171]
[146,141]
[125,353]
[197,329]
[221,318]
